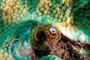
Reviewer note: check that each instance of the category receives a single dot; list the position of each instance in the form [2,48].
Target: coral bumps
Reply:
[68,13]
[50,57]
[72,17]
[5,56]
[12,10]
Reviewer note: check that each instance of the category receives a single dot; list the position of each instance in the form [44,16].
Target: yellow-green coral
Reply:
[62,11]
[5,56]
[71,16]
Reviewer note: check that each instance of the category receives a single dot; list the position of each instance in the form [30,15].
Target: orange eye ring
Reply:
[52,34]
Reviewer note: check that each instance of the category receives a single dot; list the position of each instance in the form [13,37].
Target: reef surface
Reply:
[50,29]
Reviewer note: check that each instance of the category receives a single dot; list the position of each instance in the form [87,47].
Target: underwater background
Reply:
[44,29]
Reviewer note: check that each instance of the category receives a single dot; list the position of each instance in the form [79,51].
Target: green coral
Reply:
[72,16]
[50,57]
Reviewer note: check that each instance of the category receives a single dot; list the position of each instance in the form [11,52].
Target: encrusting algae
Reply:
[40,25]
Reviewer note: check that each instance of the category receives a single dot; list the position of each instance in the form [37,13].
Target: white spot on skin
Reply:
[53,30]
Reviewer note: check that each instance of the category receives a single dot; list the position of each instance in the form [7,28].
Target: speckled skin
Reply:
[71,16]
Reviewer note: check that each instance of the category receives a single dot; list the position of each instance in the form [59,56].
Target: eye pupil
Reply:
[53,31]
[41,36]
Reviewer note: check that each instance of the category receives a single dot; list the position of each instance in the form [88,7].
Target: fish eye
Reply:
[41,36]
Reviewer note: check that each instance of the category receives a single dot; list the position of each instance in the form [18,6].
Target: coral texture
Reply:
[50,57]
[40,23]
[5,56]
